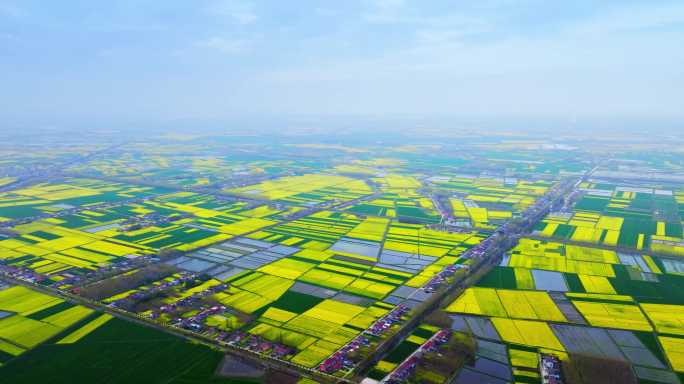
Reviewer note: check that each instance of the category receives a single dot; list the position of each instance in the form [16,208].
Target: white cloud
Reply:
[389,4]
[103,25]
[224,45]
[244,17]
[470,59]
[239,11]
[556,73]
[8,37]
[105,53]
[635,18]
[12,11]
[451,28]
[385,12]
[323,11]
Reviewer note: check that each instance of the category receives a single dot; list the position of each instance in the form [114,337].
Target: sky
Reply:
[141,60]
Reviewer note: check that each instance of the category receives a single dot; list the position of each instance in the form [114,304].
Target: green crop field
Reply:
[116,353]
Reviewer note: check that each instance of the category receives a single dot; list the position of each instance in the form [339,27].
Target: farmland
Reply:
[51,335]
[85,346]
[563,299]
[337,263]
[487,202]
[54,197]
[625,216]
[599,277]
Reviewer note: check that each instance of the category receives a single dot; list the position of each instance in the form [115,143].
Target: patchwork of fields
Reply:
[314,284]
[569,300]
[307,190]
[600,279]
[46,198]
[314,261]
[29,318]
[488,202]
[69,343]
[644,218]
[270,277]
[94,238]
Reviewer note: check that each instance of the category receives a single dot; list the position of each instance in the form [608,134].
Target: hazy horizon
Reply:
[153,63]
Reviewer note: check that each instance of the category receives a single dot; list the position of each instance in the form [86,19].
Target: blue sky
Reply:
[214,59]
